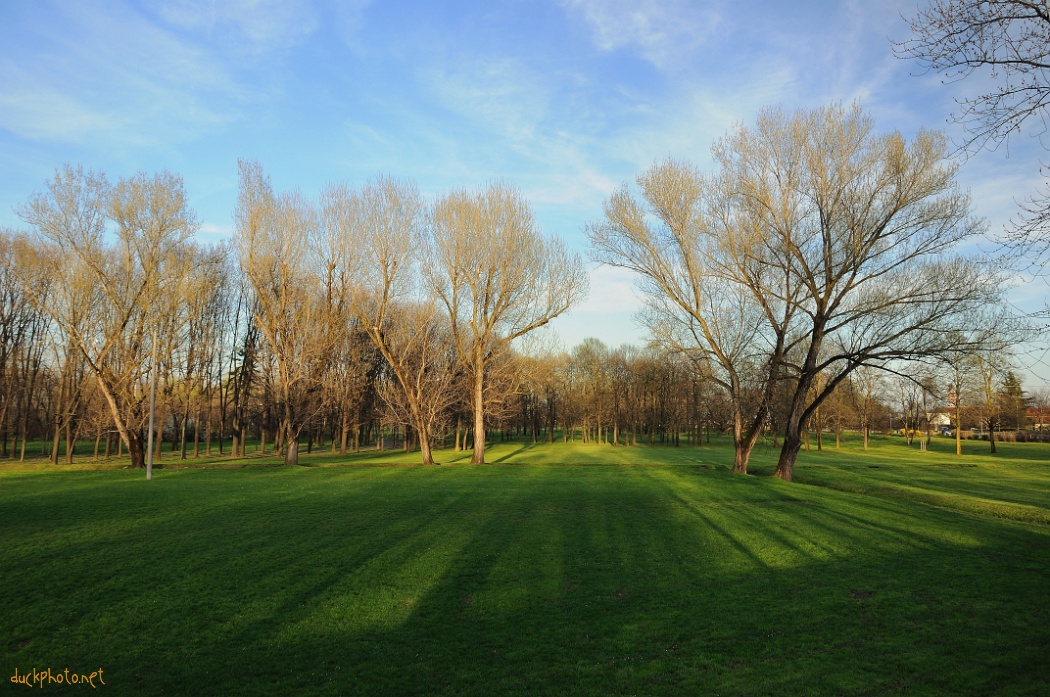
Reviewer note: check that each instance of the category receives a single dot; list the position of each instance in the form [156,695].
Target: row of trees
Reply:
[223,385]
[315,303]
[819,253]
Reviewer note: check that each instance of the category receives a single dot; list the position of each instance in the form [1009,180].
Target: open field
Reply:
[553,572]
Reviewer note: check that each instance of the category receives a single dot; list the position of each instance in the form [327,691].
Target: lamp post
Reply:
[152,407]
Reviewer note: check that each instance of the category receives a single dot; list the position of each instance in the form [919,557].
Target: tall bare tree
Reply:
[498,277]
[834,242]
[350,383]
[373,238]
[866,382]
[107,299]
[19,328]
[696,258]
[275,236]
[870,242]
[419,396]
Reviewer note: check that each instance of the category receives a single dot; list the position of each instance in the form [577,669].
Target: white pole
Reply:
[152,407]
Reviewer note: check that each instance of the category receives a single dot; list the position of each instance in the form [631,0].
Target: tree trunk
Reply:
[54,444]
[135,450]
[289,438]
[789,452]
[422,432]
[424,448]
[207,436]
[175,429]
[744,441]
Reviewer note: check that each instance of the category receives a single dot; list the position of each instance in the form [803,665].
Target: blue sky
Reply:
[564,99]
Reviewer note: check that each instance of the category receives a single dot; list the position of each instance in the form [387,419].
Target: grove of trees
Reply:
[817,280]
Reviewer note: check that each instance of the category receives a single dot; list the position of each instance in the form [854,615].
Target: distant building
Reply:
[1039,417]
[939,418]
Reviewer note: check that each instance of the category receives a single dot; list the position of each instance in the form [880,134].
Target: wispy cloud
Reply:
[500,94]
[113,78]
[261,24]
[52,115]
[664,33]
[525,113]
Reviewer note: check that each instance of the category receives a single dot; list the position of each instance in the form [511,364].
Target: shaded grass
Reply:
[668,579]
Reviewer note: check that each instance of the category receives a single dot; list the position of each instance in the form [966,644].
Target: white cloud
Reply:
[263,24]
[498,94]
[113,78]
[613,290]
[517,117]
[49,114]
[663,33]
[608,314]
[213,230]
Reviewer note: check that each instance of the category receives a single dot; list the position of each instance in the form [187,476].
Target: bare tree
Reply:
[107,299]
[870,242]
[26,364]
[1004,43]
[20,328]
[689,248]
[819,247]
[373,238]
[350,382]
[498,277]
[275,236]
[1004,39]
[991,367]
[419,397]
[236,362]
[866,383]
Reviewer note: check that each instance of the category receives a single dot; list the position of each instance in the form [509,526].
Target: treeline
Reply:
[217,384]
[364,308]
[819,257]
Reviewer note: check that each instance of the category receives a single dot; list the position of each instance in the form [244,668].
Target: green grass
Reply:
[877,573]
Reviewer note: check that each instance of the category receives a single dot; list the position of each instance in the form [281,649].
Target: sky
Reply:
[565,99]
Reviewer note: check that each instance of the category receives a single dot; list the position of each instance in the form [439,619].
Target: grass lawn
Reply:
[562,570]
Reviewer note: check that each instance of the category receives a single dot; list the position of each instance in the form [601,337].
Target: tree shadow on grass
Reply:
[582,581]
[514,453]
